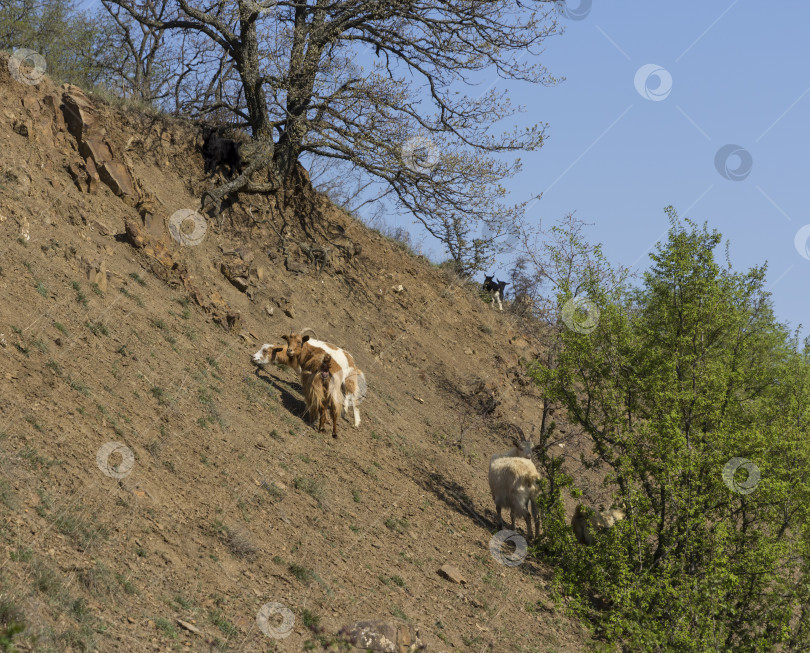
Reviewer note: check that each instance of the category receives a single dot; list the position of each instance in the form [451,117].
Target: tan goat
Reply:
[513,482]
[586,522]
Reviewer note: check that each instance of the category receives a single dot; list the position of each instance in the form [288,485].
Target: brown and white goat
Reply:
[320,378]
[352,379]
[321,375]
[513,482]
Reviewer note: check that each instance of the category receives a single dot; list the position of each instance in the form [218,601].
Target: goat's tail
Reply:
[335,393]
[313,394]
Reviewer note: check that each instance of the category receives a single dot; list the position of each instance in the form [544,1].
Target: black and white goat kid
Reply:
[495,290]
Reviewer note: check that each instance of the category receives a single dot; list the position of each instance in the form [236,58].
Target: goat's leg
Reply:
[322,423]
[500,518]
[498,297]
[355,411]
[533,503]
[334,412]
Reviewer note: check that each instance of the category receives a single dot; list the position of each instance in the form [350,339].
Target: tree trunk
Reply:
[247,63]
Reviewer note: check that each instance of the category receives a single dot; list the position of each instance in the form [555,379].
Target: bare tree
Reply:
[559,262]
[348,188]
[134,53]
[404,121]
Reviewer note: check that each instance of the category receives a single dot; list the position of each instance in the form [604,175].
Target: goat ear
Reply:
[285,338]
[304,338]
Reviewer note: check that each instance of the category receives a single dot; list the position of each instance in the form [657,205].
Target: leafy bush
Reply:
[681,379]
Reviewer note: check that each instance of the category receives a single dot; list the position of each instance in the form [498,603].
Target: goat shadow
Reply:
[455,497]
[294,404]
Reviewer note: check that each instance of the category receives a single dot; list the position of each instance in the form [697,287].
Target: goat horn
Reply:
[520,432]
[312,331]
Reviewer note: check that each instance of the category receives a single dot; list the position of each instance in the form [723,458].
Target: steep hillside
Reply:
[115,332]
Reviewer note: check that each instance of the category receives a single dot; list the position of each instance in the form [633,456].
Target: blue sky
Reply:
[739,76]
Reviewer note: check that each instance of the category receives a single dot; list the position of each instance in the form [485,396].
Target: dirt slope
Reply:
[232,500]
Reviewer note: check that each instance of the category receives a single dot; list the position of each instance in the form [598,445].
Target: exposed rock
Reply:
[232,320]
[23,128]
[191,288]
[103,229]
[384,636]
[79,177]
[155,225]
[148,208]
[31,104]
[189,627]
[116,176]
[452,573]
[53,105]
[95,272]
[82,123]
[141,240]
[93,179]
[245,254]
[78,112]
[95,147]
[236,272]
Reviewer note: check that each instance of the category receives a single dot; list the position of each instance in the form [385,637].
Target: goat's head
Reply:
[524,445]
[295,343]
[267,354]
[525,449]
[488,281]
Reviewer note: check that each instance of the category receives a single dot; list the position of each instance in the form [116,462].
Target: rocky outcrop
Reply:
[164,267]
[101,164]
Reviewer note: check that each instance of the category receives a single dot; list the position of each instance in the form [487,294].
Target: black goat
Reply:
[219,151]
[495,290]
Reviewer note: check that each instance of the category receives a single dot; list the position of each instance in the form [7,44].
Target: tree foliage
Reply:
[681,378]
[57,30]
